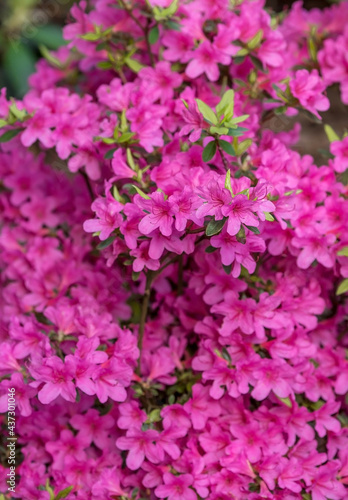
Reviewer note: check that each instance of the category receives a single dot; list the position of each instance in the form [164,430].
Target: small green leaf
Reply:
[17,113]
[127,136]
[130,159]
[237,132]
[310,116]
[331,134]
[106,243]
[210,249]
[257,63]
[173,25]
[253,229]
[135,276]
[226,105]
[105,65]
[343,287]
[64,493]
[227,269]
[219,130]
[141,193]
[10,134]
[91,37]
[154,416]
[109,154]
[238,119]
[209,151]
[215,226]
[243,146]
[286,401]
[228,181]
[133,64]
[256,40]
[227,147]
[343,252]
[153,35]
[207,112]
[269,216]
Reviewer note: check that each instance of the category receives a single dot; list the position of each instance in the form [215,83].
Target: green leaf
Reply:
[207,112]
[253,229]
[104,65]
[54,61]
[256,40]
[135,276]
[237,132]
[269,216]
[170,11]
[286,401]
[228,181]
[64,493]
[226,105]
[17,113]
[133,64]
[18,64]
[243,146]
[215,226]
[210,249]
[109,154]
[209,151]
[227,269]
[130,159]
[142,194]
[106,243]
[218,130]
[153,35]
[227,147]
[331,134]
[127,136]
[238,119]
[257,63]
[343,287]
[49,35]
[10,134]
[343,252]
[310,116]
[92,37]
[173,25]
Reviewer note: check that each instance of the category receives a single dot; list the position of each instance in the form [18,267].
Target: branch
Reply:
[219,148]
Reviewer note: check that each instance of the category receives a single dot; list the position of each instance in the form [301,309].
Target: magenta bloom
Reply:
[239,211]
[109,218]
[176,487]
[307,88]
[194,121]
[57,377]
[205,60]
[140,444]
[161,215]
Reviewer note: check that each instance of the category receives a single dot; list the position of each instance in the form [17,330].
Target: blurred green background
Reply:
[26,26]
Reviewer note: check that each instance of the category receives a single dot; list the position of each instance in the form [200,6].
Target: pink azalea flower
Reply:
[161,215]
[140,444]
[57,377]
[176,487]
[239,211]
[161,81]
[307,88]
[108,217]
[194,121]
[205,60]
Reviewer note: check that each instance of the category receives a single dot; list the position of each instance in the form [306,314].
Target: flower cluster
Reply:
[173,309]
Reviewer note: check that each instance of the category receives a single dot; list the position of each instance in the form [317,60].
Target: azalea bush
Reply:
[174,272]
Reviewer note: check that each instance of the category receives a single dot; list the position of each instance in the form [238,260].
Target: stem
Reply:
[224,161]
[89,187]
[144,29]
